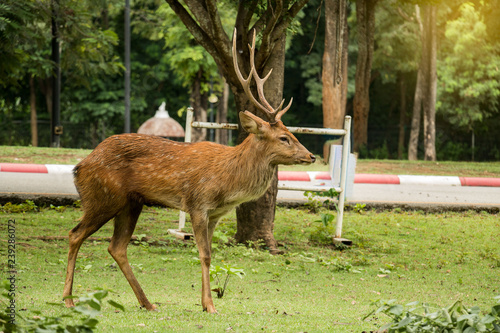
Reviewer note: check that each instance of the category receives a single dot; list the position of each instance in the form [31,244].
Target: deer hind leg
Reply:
[125,222]
[88,225]
[203,231]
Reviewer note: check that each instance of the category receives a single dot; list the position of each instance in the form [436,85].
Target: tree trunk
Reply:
[402,115]
[365,13]
[334,79]
[425,90]
[33,118]
[256,218]
[199,103]
[429,104]
[222,136]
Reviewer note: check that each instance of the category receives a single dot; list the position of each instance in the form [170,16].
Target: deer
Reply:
[204,179]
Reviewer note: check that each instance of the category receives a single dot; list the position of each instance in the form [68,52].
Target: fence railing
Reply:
[340,189]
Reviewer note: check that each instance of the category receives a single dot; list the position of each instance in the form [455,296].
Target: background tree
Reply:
[426,88]
[334,73]
[365,15]
[394,62]
[469,73]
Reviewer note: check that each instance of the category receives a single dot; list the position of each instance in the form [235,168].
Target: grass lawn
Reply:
[10,154]
[408,256]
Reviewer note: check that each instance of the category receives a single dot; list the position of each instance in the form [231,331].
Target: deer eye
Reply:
[284,139]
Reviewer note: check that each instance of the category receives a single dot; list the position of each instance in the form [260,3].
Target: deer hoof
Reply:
[69,303]
[210,309]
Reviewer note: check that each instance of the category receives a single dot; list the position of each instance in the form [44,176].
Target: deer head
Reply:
[282,145]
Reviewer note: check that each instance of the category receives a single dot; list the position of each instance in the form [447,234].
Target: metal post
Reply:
[189,122]
[343,177]
[127,67]
[182,214]
[187,138]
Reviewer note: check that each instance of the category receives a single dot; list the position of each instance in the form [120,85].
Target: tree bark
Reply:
[334,79]
[198,101]
[365,13]
[33,116]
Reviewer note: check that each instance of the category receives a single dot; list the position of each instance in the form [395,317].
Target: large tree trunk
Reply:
[365,13]
[334,78]
[425,90]
[33,117]
[199,103]
[256,218]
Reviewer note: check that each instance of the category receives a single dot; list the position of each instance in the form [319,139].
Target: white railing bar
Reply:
[300,130]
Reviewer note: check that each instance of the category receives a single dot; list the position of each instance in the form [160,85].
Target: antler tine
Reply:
[282,112]
[245,82]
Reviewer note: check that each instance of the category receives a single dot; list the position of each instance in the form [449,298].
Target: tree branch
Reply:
[200,14]
[219,36]
[200,35]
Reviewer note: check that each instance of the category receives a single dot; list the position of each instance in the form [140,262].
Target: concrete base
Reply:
[180,234]
[342,241]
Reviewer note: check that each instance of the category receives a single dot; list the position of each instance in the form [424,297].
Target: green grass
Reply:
[41,155]
[408,256]
[465,169]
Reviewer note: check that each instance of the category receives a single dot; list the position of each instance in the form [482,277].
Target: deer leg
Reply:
[125,223]
[203,242]
[89,224]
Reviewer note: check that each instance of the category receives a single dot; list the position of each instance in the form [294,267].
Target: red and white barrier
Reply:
[305,176]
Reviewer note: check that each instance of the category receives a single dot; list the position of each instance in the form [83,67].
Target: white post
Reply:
[187,138]
[343,175]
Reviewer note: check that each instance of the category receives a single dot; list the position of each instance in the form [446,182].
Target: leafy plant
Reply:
[27,206]
[420,318]
[359,208]
[84,313]
[217,274]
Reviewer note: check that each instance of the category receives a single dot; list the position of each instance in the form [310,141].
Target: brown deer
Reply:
[204,179]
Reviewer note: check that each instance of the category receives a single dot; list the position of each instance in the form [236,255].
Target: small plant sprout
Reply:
[217,275]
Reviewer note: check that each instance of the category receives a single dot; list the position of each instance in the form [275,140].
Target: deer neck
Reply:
[254,163]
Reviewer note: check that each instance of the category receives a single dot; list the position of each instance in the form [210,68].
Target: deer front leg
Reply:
[201,232]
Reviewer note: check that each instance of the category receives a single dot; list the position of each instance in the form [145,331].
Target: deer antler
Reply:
[274,115]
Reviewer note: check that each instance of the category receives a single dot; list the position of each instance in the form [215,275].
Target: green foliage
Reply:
[27,206]
[397,38]
[217,274]
[83,315]
[469,75]
[421,318]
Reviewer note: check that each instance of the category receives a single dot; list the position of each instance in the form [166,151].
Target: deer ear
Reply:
[251,123]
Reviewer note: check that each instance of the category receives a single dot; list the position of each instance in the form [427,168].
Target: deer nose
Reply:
[313,158]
